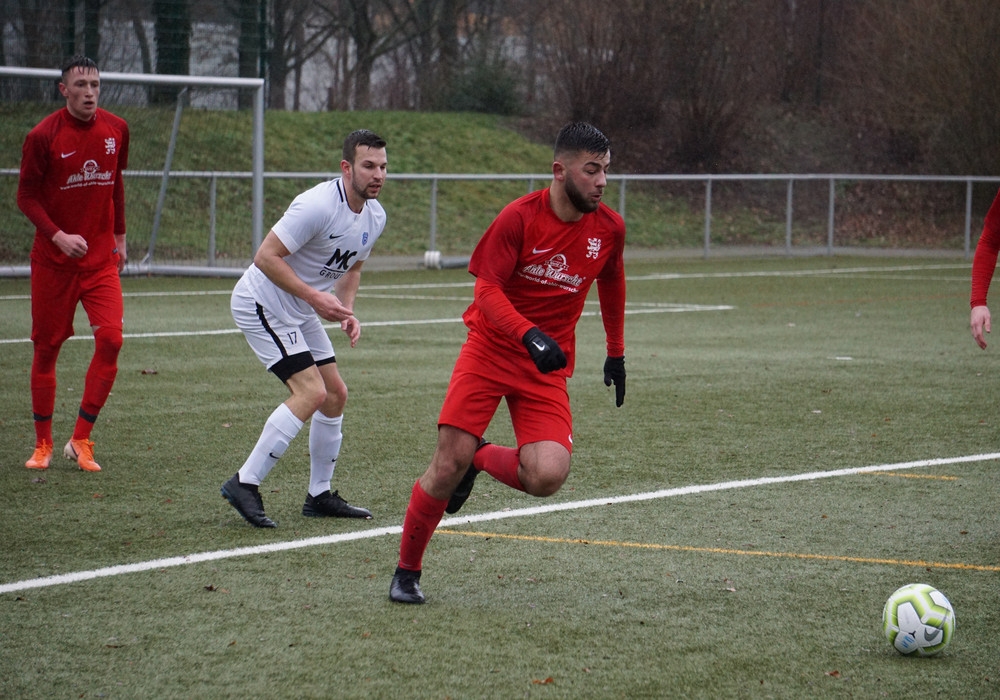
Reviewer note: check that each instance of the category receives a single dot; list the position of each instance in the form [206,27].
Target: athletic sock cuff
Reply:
[318,417]
[284,420]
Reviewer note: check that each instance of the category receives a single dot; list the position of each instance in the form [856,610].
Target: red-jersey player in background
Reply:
[983,264]
[71,189]
[533,268]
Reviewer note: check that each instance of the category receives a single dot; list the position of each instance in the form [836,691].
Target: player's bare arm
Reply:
[270,258]
[346,289]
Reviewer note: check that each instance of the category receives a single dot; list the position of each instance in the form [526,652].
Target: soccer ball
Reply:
[917,618]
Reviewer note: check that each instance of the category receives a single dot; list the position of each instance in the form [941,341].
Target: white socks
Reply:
[280,428]
[325,437]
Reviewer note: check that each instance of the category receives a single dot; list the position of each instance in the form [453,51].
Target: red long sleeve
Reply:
[496,307]
[31,192]
[611,293]
[984,261]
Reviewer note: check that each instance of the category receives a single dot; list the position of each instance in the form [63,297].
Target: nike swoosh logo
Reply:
[272,455]
[542,347]
[536,251]
[67,155]
[930,636]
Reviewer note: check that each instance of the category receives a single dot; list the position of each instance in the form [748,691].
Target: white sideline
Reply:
[478,518]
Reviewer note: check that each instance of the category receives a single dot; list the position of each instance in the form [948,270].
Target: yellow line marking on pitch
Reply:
[723,550]
[938,477]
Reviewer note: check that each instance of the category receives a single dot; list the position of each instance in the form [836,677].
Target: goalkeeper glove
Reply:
[545,352]
[614,371]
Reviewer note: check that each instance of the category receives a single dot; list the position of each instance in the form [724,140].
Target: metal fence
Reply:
[790,223]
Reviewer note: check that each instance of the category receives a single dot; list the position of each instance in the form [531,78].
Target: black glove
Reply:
[545,352]
[614,371]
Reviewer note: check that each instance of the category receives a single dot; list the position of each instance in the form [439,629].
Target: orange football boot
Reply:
[82,452]
[41,457]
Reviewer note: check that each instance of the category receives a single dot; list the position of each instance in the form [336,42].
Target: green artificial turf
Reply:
[741,373]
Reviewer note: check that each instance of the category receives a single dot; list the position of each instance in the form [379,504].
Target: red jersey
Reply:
[534,269]
[71,180]
[985,259]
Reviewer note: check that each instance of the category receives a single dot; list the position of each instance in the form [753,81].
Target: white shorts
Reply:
[275,341]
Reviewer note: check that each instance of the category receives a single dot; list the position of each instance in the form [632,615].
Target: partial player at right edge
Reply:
[983,265]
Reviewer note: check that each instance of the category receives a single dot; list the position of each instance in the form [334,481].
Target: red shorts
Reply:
[56,292]
[538,403]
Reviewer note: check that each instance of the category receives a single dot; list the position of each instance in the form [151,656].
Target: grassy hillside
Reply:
[658,215]
[294,142]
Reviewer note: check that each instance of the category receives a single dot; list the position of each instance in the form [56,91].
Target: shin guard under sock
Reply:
[280,429]
[325,438]
[422,517]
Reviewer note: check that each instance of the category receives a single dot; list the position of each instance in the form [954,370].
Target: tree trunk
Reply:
[172,33]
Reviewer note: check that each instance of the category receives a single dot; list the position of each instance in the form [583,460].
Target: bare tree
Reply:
[40,26]
[430,29]
[364,31]
[300,30]
[721,75]
[172,30]
[924,73]
[251,41]
[92,28]
[687,74]
[607,67]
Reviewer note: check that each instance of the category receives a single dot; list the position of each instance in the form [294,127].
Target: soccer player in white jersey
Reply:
[306,271]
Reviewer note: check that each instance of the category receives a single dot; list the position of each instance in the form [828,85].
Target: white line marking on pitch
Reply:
[631,278]
[169,562]
[660,309]
[793,273]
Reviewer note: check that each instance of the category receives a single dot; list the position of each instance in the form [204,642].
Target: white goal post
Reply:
[256,85]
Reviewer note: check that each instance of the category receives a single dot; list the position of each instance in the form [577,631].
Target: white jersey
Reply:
[325,238]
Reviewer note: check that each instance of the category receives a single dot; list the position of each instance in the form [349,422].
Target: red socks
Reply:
[422,517]
[423,514]
[501,463]
[97,385]
[43,391]
[100,378]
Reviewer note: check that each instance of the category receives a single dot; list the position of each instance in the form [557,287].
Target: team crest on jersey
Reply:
[109,146]
[364,238]
[593,247]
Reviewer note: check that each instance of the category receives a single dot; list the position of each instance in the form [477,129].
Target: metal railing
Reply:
[432,257]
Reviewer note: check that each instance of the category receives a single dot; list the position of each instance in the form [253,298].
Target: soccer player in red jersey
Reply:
[71,189]
[984,262]
[533,266]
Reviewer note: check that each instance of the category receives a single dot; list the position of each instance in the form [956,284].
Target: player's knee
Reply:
[449,466]
[546,480]
[45,355]
[547,487]
[335,399]
[315,397]
[108,342]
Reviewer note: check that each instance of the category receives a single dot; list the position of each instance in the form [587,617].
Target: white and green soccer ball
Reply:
[918,619]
